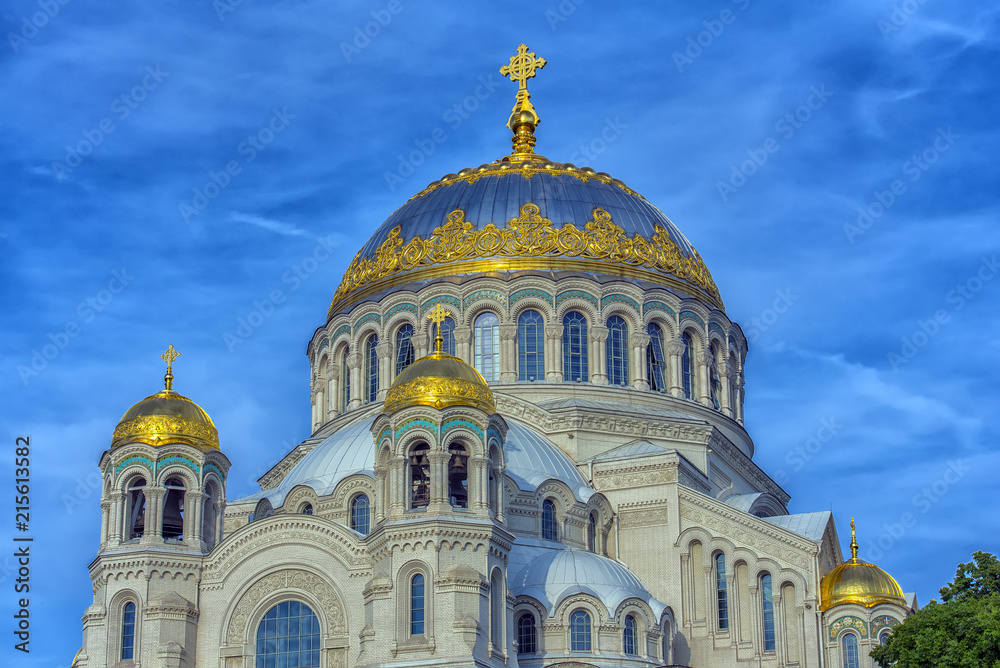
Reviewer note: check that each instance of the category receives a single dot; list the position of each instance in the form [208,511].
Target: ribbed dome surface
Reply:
[857,581]
[166,417]
[439,380]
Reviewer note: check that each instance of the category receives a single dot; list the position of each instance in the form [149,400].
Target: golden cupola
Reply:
[167,417]
[439,380]
[856,581]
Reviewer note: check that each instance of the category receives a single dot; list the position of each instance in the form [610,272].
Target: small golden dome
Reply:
[856,581]
[439,380]
[167,417]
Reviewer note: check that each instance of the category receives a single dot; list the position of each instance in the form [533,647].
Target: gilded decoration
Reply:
[848,622]
[160,429]
[529,235]
[439,393]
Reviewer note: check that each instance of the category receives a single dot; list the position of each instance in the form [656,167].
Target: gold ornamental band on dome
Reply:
[528,241]
[158,430]
[439,393]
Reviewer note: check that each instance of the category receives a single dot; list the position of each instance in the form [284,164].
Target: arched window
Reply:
[447,333]
[767,610]
[420,476]
[288,636]
[486,346]
[458,476]
[527,642]
[630,637]
[734,392]
[210,514]
[655,361]
[579,631]
[345,380]
[360,521]
[883,637]
[592,532]
[575,364]
[173,509]
[617,350]
[404,347]
[530,346]
[721,591]
[550,527]
[128,631]
[371,368]
[668,642]
[849,648]
[417,605]
[714,379]
[687,366]
[497,609]
[135,511]
[307,509]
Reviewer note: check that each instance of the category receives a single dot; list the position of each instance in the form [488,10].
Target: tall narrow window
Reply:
[721,592]
[527,642]
[655,361]
[579,631]
[575,363]
[687,366]
[530,346]
[592,533]
[668,643]
[360,515]
[549,526]
[767,608]
[734,392]
[497,610]
[345,380]
[420,476]
[288,636]
[617,350]
[371,368]
[404,347]
[714,379]
[849,648]
[417,605]
[486,346]
[136,509]
[630,637]
[128,631]
[173,510]
[447,333]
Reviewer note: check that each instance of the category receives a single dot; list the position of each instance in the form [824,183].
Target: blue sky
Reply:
[833,162]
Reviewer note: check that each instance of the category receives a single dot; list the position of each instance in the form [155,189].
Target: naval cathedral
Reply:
[527,449]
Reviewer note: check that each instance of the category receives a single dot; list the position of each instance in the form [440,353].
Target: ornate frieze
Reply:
[287,579]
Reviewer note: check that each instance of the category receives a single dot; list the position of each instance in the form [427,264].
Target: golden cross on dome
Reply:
[854,541]
[522,67]
[169,356]
[437,316]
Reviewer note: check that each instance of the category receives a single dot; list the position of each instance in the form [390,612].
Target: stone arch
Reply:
[298,496]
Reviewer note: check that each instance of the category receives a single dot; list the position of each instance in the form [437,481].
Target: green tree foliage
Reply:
[961,632]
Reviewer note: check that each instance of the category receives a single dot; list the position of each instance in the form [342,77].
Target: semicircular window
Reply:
[288,637]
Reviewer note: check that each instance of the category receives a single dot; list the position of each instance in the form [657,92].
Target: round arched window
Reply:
[288,636]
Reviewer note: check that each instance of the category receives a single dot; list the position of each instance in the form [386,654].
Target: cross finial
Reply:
[522,67]
[169,356]
[523,119]
[854,541]
[437,316]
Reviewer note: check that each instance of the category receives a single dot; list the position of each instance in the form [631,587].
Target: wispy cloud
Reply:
[275,226]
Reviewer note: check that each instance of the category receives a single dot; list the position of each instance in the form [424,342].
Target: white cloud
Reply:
[270,225]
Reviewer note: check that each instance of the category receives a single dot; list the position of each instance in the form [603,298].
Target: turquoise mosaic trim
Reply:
[490,295]
[364,320]
[693,316]
[717,328]
[576,294]
[140,459]
[418,422]
[459,422]
[385,433]
[492,433]
[324,344]
[399,308]
[531,292]
[212,467]
[164,462]
[445,299]
[343,329]
[619,299]
[658,306]
[848,622]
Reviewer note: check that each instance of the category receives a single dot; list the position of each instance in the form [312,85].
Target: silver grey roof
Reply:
[532,459]
[807,525]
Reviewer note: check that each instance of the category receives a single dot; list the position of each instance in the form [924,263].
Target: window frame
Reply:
[721,592]
[847,660]
[549,520]
[617,351]
[769,638]
[576,355]
[371,368]
[630,636]
[353,514]
[521,616]
[656,361]
[688,375]
[315,637]
[122,635]
[412,605]
[483,350]
[580,629]
[403,347]
[530,346]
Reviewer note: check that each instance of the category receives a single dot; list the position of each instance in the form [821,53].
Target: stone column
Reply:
[319,402]
[553,353]
[384,352]
[462,348]
[422,344]
[105,521]
[508,353]
[675,348]
[380,500]
[598,355]
[153,530]
[639,341]
[704,358]
[194,510]
[400,501]
[479,493]
[726,376]
[354,364]
[439,501]
[116,518]
[333,387]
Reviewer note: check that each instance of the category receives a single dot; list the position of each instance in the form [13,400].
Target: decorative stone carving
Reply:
[288,579]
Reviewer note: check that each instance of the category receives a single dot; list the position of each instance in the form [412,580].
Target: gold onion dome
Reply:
[439,380]
[856,581]
[167,417]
